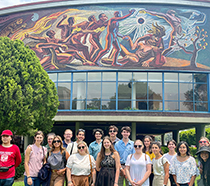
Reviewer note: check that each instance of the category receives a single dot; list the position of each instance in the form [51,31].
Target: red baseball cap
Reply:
[7,132]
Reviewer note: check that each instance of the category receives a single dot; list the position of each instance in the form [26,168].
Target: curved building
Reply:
[144,64]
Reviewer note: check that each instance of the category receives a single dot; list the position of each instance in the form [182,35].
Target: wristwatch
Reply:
[69,181]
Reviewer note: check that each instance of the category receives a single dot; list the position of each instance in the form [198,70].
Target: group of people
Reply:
[108,161]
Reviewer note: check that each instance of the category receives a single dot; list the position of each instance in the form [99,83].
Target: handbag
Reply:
[5,169]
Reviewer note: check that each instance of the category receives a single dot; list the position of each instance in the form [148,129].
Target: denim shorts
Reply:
[36,181]
[7,182]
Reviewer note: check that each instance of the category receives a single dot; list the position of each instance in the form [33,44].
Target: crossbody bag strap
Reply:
[43,154]
[72,148]
[90,166]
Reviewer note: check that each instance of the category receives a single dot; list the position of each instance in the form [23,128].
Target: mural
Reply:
[114,37]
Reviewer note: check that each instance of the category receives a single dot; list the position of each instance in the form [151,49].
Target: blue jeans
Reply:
[7,182]
[36,181]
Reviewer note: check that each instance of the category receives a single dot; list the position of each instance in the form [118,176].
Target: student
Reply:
[138,166]
[72,147]
[124,147]
[10,158]
[160,166]
[35,156]
[113,130]
[171,146]
[50,137]
[95,147]
[183,166]
[204,141]
[57,158]
[80,166]
[107,164]
[203,157]
[67,137]
[148,150]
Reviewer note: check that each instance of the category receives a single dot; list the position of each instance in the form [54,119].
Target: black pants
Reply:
[151,179]
[172,180]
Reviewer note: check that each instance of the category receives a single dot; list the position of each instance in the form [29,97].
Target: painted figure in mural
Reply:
[94,37]
[66,29]
[111,37]
[175,23]
[13,27]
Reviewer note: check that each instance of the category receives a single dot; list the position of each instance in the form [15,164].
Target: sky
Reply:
[7,3]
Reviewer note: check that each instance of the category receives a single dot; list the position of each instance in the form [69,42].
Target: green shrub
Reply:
[20,169]
[164,149]
[193,150]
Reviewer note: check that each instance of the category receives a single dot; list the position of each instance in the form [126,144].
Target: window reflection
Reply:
[93,90]
[64,105]
[79,76]
[64,90]
[109,105]
[108,90]
[94,76]
[79,90]
[53,76]
[155,105]
[186,91]
[124,91]
[141,90]
[171,77]
[139,76]
[124,76]
[186,106]
[200,92]
[200,78]
[201,106]
[124,105]
[78,105]
[64,77]
[94,104]
[185,77]
[155,91]
[154,76]
[109,76]
[173,106]
[171,91]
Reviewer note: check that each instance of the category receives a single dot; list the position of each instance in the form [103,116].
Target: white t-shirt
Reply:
[138,167]
[158,166]
[80,165]
[169,158]
[75,150]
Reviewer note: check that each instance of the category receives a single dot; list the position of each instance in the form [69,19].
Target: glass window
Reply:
[79,76]
[53,76]
[64,105]
[94,104]
[171,91]
[186,91]
[109,76]
[155,105]
[186,106]
[79,90]
[64,77]
[200,78]
[185,77]
[124,92]
[155,91]
[139,76]
[171,77]
[78,105]
[93,90]
[173,106]
[125,76]
[200,92]
[108,90]
[141,90]
[142,105]
[64,90]
[94,76]
[124,105]
[201,106]
[108,105]
[154,76]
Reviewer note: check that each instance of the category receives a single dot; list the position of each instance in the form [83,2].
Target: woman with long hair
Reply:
[108,164]
[160,166]
[35,157]
[57,158]
[148,150]
[80,166]
[183,166]
[171,144]
[138,166]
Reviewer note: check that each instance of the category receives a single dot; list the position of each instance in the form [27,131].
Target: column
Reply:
[175,135]
[78,125]
[200,131]
[133,131]
[162,139]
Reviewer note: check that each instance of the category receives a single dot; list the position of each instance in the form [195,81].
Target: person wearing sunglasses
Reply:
[204,141]
[138,166]
[10,158]
[57,158]
[107,164]
[113,130]
[72,147]
[160,166]
[80,167]
[35,157]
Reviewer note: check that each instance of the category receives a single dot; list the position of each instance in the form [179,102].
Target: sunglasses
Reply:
[81,130]
[81,147]
[139,146]
[112,131]
[56,141]
[203,141]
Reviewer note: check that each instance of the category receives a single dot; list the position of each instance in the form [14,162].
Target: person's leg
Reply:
[59,180]
[7,182]
[37,181]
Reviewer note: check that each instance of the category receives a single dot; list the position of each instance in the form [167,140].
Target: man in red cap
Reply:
[10,158]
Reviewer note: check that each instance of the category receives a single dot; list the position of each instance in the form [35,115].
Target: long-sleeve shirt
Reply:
[9,156]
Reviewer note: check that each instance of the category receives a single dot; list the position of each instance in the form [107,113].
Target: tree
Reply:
[28,98]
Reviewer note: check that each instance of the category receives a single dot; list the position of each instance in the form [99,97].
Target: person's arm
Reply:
[94,177]
[192,180]
[166,170]
[174,176]
[59,23]
[68,174]
[117,164]
[98,162]
[27,156]
[17,157]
